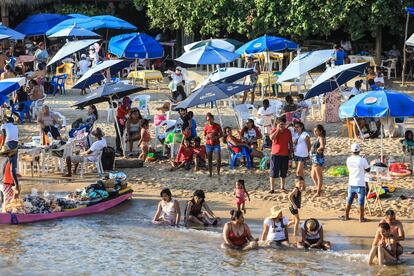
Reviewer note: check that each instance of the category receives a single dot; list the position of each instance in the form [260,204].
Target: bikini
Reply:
[238,240]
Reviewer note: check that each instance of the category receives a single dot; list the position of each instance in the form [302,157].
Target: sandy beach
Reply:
[148,181]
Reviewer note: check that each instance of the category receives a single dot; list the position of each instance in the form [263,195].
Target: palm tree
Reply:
[5,5]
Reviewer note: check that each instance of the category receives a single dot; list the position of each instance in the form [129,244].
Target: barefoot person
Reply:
[168,211]
[357,166]
[295,198]
[384,246]
[397,229]
[318,158]
[213,132]
[241,194]
[194,212]
[312,235]
[302,146]
[237,234]
[275,228]
[281,144]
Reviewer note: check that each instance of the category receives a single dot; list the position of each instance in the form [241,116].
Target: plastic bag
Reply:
[338,171]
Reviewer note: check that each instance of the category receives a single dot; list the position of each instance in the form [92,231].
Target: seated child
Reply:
[184,157]
[199,154]
[408,142]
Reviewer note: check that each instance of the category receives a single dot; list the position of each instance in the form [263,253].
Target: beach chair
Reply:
[244,153]
[66,69]
[56,157]
[22,112]
[37,105]
[162,130]
[244,112]
[58,82]
[390,65]
[142,104]
[62,127]
[98,165]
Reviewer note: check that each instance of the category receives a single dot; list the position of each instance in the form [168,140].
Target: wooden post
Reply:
[405,49]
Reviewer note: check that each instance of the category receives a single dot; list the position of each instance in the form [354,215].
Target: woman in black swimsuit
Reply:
[194,213]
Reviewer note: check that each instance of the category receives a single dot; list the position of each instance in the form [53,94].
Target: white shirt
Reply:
[276,232]
[96,148]
[265,113]
[83,66]
[356,166]
[301,148]
[379,79]
[12,132]
[355,91]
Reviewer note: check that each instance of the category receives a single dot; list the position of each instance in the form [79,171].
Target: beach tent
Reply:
[39,24]
[222,43]
[13,35]
[74,31]
[207,55]
[70,48]
[303,63]
[334,77]
[378,104]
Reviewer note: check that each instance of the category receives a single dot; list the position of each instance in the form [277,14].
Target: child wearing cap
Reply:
[312,235]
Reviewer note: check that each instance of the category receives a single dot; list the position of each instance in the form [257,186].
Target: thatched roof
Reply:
[23,2]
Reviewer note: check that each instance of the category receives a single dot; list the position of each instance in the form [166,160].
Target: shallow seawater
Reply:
[123,242]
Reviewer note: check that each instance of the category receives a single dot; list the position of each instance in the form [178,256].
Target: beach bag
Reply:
[108,158]
[338,171]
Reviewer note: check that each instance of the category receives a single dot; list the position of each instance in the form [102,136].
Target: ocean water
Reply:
[122,241]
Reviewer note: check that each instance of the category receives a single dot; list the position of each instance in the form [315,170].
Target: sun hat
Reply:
[355,147]
[165,107]
[275,211]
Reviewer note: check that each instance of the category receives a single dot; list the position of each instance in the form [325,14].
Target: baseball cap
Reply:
[355,147]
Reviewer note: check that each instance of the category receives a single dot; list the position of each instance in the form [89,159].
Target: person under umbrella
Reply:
[251,79]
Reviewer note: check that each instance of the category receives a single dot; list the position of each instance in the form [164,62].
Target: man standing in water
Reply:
[279,163]
[357,166]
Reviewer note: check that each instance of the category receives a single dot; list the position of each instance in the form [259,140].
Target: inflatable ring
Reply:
[400,173]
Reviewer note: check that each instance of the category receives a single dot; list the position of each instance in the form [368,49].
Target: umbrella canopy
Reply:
[112,22]
[78,15]
[13,35]
[8,86]
[410,40]
[2,36]
[74,31]
[135,45]
[379,103]
[222,43]
[94,74]
[334,77]
[108,92]
[86,23]
[211,93]
[267,44]
[70,48]
[303,63]
[39,24]
[207,55]
[227,75]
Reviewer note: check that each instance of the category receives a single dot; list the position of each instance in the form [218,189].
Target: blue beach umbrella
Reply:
[74,31]
[8,86]
[135,45]
[112,22]
[2,36]
[13,35]
[267,43]
[39,24]
[95,75]
[334,77]
[86,23]
[70,48]
[207,55]
[78,15]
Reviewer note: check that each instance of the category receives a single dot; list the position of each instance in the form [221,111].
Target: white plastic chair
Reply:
[97,163]
[142,104]
[59,162]
[30,160]
[161,129]
[244,112]
[276,106]
[37,106]
[392,65]
[63,128]
[298,83]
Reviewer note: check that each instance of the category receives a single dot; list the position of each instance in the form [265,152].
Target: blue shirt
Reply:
[193,128]
[339,57]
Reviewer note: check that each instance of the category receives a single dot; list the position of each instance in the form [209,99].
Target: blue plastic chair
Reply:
[23,111]
[58,82]
[243,153]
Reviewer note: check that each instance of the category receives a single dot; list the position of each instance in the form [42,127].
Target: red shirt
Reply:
[200,151]
[280,143]
[184,154]
[234,148]
[213,133]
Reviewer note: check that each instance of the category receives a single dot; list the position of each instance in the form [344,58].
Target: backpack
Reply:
[108,158]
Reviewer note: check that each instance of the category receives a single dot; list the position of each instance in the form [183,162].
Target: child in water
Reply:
[241,193]
[145,139]
[295,198]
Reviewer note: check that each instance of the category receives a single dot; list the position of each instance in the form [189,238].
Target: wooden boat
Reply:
[7,218]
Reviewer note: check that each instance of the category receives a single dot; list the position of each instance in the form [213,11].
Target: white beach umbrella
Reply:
[71,47]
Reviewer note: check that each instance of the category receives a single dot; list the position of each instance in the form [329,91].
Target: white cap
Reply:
[83,56]
[355,147]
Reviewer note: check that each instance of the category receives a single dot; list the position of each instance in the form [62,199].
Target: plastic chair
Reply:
[392,65]
[63,125]
[142,104]
[58,82]
[32,159]
[277,106]
[243,153]
[66,69]
[23,111]
[59,162]
[164,125]
[244,112]
[37,106]
[97,163]
[299,83]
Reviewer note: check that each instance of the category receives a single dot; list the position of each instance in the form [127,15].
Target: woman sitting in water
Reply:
[384,247]
[194,214]
[168,212]
[312,235]
[237,234]
[275,228]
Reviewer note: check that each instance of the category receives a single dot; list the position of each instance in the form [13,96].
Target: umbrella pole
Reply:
[339,87]
[219,115]
[382,142]
[310,76]
[117,128]
[359,129]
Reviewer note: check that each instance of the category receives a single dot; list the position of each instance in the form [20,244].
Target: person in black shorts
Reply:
[295,198]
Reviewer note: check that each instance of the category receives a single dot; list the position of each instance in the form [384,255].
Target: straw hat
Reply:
[275,211]
[165,107]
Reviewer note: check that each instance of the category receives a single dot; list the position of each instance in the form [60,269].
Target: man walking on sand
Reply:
[357,166]
[281,145]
